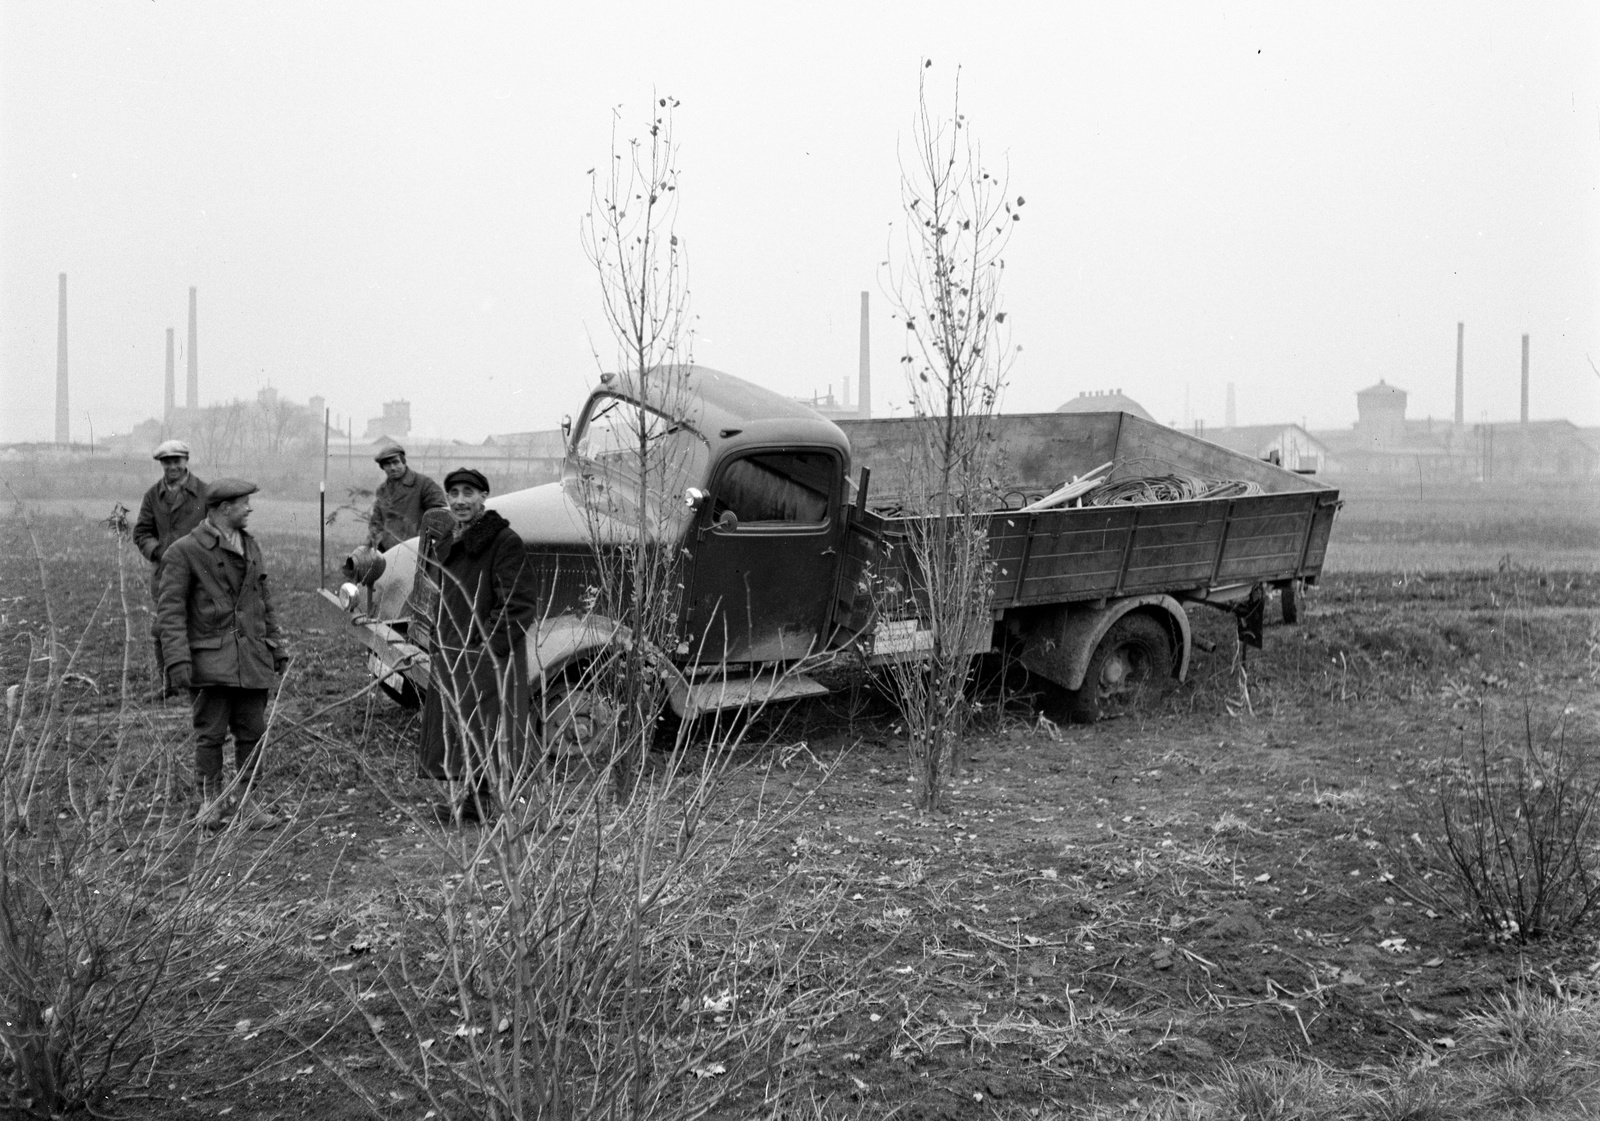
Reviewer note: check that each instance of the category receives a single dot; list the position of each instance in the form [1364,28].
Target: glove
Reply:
[280,661]
[178,680]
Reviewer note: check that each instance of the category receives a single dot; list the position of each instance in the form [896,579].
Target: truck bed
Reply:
[1194,549]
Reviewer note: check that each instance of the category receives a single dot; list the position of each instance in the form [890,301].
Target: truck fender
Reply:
[1059,644]
[557,643]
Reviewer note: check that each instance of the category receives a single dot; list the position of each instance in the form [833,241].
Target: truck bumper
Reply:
[390,657]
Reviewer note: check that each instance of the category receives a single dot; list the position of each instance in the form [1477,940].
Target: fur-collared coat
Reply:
[478,695]
[215,611]
[164,516]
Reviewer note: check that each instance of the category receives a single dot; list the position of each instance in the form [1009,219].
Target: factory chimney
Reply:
[1461,377]
[192,397]
[864,380]
[63,428]
[1232,412]
[1524,379]
[170,400]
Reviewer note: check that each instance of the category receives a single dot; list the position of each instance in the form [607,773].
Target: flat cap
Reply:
[388,450]
[169,448]
[469,476]
[226,490]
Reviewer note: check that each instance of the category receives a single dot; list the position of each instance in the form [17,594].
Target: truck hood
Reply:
[545,515]
[581,513]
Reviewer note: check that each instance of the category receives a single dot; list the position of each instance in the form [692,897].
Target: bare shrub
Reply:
[597,955]
[1518,834]
[115,948]
[946,289]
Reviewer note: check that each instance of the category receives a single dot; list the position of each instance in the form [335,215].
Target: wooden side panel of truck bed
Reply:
[1102,552]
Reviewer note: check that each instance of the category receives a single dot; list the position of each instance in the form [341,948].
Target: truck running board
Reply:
[743,692]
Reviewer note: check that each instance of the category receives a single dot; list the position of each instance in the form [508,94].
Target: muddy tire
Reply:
[575,719]
[1130,669]
[1289,599]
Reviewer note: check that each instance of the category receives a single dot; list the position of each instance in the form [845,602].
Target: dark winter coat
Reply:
[215,611]
[398,508]
[164,517]
[478,694]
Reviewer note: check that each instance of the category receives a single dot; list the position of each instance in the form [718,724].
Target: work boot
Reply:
[476,808]
[254,815]
[208,815]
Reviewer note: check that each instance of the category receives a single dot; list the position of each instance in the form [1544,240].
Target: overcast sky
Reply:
[382,200]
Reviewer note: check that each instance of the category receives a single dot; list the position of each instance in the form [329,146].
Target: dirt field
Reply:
[1100,914]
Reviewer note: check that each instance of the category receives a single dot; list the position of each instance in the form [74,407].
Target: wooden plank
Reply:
[1175,546]
[1076,554]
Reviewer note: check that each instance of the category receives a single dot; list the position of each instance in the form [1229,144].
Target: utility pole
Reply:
[864,374]
[193,394]
[1524,379]
[170,398]
[1461,375]
[63,421]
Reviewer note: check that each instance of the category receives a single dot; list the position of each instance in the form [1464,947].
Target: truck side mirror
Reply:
[566,429]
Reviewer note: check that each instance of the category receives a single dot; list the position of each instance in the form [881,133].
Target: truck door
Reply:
[765,556]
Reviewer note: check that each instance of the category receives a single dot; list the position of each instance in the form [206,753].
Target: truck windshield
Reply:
[611,456]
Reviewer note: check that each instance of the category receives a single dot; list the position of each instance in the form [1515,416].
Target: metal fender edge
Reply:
[556,643]
[1059,648]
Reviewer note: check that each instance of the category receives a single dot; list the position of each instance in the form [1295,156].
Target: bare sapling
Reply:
[635,457]
[945,283]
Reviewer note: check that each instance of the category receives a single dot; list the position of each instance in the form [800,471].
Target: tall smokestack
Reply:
[1524,379]
[864,386]
[193,395]
[170,400]
[1232,412]
[63,428]
[1461,374]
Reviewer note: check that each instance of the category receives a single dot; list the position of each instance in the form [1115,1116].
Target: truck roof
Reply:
[731,412]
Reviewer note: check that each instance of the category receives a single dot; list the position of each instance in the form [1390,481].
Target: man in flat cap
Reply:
[222,643]
[475,722]
[173,506]
[403,497]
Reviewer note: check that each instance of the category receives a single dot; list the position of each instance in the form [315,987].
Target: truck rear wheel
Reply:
[1131,667]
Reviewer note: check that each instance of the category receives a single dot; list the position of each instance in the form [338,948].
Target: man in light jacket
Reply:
[222,643]
[172,506]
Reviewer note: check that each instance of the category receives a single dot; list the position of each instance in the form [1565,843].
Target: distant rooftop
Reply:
[1105,401]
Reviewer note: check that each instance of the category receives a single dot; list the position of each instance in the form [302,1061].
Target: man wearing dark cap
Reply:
[222,643]
[403,497]
[474,725]
[171,508]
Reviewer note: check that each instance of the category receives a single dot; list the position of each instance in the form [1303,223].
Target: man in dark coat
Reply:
[404,496]
[171,508]
[475,722]
[222,643]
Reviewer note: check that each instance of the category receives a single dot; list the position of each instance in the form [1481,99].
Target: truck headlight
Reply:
[348,595]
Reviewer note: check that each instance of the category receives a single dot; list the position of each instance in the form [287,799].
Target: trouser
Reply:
[219,710]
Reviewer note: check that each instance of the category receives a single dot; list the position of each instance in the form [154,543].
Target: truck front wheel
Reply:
[1131,667]
[577,718]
